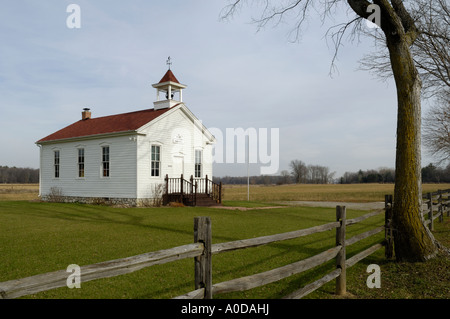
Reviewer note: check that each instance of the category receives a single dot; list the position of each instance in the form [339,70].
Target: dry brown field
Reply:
[271,193]
[19,191]
[318,192]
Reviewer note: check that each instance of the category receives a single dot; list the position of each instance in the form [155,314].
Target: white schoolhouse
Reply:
[123,158]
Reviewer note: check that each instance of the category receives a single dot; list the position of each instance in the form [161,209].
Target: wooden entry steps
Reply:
[192,192]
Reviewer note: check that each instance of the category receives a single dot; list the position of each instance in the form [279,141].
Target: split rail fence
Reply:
[437,202]
[202,251]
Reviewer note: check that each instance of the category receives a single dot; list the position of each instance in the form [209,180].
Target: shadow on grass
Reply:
[136,217]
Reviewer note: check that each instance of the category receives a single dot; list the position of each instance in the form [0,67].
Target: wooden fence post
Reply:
[166,191]
[440,208]
[447,205]
[388,232]
[341,286]
[166,179]
[430,210]
[182,189]
[195,195]
[203,263]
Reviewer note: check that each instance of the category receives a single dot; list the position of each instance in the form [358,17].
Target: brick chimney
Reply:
[86,114]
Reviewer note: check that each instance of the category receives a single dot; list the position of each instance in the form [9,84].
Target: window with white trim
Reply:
[56,160]
[198,163]
[105,161]
[81,162]
[156,161]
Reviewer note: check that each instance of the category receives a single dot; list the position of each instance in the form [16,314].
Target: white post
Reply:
[248,164]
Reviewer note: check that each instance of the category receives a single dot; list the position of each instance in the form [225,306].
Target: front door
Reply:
[178,166]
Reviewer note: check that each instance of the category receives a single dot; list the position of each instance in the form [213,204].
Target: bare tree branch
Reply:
[229,10]
[429,51]
[360,7]
[337,37]
[436,128]
[400,27]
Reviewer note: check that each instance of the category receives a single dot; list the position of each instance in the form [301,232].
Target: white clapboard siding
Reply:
[178,133]
[178,136]
[122,180]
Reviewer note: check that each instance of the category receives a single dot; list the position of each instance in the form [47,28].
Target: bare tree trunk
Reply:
[413,241]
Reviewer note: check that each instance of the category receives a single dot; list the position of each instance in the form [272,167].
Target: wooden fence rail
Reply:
[34,284]
[436,202]
[338,252]
[202,251]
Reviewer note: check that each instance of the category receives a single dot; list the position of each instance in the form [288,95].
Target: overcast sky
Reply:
[236,77]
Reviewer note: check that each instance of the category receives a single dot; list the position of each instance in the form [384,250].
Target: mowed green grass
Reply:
[43,237]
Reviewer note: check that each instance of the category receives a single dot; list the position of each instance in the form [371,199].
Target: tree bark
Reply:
[412,240]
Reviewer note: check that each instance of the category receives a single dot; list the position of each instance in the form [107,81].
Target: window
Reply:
[156,160]
[198,163]
[56,164]
[81,162]
[105,161]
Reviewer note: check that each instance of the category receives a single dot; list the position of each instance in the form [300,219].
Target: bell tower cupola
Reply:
[170,89]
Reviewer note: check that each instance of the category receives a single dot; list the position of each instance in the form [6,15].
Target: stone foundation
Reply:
[109,201]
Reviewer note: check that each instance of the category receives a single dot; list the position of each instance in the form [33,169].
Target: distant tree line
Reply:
[430,174]
[300,173]
[12,175]
[310,174]
[434,174]
[256,180]
[316,174]
[382,175]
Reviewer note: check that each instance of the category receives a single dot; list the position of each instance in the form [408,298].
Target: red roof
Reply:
[169,77]
[107,124]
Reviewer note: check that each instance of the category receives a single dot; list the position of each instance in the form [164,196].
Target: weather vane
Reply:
[169,62]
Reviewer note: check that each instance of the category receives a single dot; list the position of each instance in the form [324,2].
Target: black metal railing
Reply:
[186,191]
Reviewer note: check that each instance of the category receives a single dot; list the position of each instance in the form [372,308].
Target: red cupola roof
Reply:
[169,76]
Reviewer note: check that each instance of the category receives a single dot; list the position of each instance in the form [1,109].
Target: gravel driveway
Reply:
[358,206]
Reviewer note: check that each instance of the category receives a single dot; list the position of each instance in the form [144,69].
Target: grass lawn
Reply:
[43,237]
